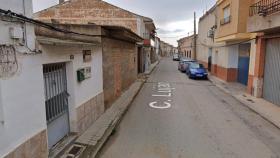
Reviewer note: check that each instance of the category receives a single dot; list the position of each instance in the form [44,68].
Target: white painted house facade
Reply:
[47,91]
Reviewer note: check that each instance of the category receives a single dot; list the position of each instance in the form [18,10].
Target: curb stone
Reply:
[153,68]
[268,118]
[95,136]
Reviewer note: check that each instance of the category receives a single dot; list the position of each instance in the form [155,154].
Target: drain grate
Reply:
[74,151]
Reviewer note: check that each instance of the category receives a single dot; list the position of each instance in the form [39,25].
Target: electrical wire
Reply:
[23,18]
[40,23]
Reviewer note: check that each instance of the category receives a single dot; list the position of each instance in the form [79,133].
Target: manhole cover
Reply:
[75,150]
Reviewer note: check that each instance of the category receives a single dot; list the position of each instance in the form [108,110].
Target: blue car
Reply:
[196,70]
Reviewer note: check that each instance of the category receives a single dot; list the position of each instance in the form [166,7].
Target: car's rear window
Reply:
[196,66]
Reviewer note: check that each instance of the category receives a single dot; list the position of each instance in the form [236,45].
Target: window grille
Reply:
[265,7]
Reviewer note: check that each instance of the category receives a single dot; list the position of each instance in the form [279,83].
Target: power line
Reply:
[23,18]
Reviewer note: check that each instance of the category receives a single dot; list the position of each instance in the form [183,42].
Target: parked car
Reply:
[196,70]
[176,57]
[183,63]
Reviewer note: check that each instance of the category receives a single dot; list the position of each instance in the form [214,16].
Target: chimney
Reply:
[61,1]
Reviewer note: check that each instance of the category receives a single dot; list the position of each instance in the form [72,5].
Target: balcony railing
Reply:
[225,20]
[265,7]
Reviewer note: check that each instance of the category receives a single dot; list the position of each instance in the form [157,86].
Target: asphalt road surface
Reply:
[175,117]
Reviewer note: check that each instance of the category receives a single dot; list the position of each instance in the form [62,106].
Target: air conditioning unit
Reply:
[16,32]
[210,33]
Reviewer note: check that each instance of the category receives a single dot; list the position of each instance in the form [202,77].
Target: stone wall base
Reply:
[257,87]
[89,112]
[35,147]
[226,74]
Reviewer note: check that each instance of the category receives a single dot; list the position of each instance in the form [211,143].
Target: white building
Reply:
[47,93]
[205,41]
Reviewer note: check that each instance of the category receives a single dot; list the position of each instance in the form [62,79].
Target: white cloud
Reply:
[186,26]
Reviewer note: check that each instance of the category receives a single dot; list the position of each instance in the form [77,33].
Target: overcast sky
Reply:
[173,18]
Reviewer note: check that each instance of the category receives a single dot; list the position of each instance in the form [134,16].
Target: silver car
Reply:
[183,63]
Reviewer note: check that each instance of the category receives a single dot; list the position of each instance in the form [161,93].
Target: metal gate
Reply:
[56,102]
[243,63]
[271,90]
[243,70]
[209,59]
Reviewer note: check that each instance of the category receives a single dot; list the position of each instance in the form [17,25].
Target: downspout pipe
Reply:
[24,25]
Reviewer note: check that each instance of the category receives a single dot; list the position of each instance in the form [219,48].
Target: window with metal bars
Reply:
[56,96]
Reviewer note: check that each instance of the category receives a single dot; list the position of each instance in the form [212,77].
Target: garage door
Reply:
[272,72]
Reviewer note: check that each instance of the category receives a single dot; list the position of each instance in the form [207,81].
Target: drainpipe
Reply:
[24,25]
[194,38]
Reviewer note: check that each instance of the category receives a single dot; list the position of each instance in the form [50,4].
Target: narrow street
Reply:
[198,120]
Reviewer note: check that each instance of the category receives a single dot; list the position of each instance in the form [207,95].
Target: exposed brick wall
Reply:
[260,57]
[256,87]
[250,84]
[119,68]
[89,11]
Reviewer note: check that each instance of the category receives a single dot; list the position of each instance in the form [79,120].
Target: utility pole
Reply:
[194,38]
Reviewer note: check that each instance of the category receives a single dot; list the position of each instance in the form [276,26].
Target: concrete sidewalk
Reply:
[151,68]
[264,108]
[89,143]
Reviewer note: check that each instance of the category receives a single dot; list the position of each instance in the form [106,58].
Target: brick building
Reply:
[102,13]
[165,49]
[186,47]
[120,61]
